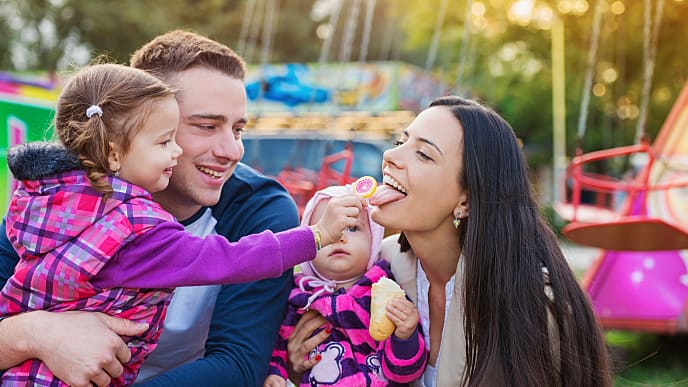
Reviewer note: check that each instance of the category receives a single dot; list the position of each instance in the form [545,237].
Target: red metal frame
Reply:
[634,230]
[302,183]
[329,176]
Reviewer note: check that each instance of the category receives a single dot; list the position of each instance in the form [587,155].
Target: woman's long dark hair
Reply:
[506,243]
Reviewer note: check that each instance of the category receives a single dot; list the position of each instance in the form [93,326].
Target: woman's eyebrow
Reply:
[423,139]
[432,144]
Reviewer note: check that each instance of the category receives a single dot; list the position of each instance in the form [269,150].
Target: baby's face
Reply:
[349,257]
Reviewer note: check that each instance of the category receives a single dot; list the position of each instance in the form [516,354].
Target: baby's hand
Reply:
[275,381]
[341,213]
[404,315]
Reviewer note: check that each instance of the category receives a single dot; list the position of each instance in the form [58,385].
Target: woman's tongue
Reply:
[385,194]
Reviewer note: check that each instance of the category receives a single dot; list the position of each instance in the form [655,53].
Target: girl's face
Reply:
[349,257]
[421,175]
[153,152]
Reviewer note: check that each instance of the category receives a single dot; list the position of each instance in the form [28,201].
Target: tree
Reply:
[509,66]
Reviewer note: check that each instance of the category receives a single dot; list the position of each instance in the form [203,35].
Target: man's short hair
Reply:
[179,50]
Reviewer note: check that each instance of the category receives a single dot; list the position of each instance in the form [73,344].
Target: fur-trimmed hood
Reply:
[36,160]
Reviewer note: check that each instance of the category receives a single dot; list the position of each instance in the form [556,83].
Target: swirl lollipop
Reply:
[365,186]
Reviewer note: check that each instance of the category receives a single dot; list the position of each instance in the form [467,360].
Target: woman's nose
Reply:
[391,156]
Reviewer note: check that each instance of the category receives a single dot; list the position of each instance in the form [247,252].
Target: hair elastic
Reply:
[94,109]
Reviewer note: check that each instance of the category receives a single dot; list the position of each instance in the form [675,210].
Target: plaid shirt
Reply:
[65,232]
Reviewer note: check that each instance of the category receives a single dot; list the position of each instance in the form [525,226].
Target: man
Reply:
[214,335]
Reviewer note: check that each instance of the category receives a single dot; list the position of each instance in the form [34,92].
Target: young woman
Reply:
[499,303]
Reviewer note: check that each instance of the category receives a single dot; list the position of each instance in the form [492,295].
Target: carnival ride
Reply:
[640,220]
[26,102]
[640,279]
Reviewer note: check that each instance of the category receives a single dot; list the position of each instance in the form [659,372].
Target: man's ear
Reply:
[114,157]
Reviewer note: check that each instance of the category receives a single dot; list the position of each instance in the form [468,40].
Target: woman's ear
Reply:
[114,157]
[461,210]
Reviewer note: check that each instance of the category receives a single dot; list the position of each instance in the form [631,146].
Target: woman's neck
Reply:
[438,252]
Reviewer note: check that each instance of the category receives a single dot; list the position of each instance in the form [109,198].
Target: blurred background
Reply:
[330,79]
[497,50]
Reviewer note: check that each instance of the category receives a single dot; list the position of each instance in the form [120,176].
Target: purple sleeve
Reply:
[405,349]
[403,361]
[167,256]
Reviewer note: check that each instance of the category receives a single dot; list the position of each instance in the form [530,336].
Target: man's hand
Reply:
[275,381]
[301,344]
[80,348]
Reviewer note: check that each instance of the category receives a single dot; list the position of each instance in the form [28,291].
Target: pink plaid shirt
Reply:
[65,233]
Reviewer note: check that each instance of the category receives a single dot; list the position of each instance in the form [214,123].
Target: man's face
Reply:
[212,109]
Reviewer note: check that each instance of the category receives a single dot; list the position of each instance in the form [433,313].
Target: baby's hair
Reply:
[124,96]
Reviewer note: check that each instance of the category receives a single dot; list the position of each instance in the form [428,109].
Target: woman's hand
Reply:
[301,344]
[404,315]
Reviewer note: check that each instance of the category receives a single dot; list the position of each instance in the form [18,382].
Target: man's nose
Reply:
[229,147]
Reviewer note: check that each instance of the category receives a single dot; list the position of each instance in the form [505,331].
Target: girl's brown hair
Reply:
[125,96]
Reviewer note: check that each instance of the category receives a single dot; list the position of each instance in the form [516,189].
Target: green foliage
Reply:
[526,100]
[642,359]
[5,44]
[555,221]
[505,64]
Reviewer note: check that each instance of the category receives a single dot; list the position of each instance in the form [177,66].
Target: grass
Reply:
[641,359]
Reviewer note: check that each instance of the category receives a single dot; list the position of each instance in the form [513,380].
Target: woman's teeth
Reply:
[390,180]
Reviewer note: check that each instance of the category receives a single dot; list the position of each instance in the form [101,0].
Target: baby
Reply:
[338,285]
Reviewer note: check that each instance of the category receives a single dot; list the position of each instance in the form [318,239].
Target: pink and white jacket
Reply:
[350,357]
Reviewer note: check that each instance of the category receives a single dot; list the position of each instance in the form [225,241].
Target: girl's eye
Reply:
[165,143]
[398,143]
[352,229]
[207,127]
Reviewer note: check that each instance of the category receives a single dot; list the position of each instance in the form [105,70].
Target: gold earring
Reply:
[457,220]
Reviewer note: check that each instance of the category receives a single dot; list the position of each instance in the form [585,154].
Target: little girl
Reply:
[91,238]
[338,285]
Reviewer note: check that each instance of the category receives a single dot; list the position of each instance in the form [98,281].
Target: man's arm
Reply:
[90,348]
[247,317]
[8,257]
[14,345]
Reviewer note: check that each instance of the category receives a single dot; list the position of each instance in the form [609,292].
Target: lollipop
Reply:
[365,186]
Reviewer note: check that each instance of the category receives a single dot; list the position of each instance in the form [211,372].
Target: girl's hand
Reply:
[341,213]
[404,315]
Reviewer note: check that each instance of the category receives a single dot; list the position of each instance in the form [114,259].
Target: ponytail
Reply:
[90,143]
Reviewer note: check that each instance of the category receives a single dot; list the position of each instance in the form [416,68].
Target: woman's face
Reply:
[421,175]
